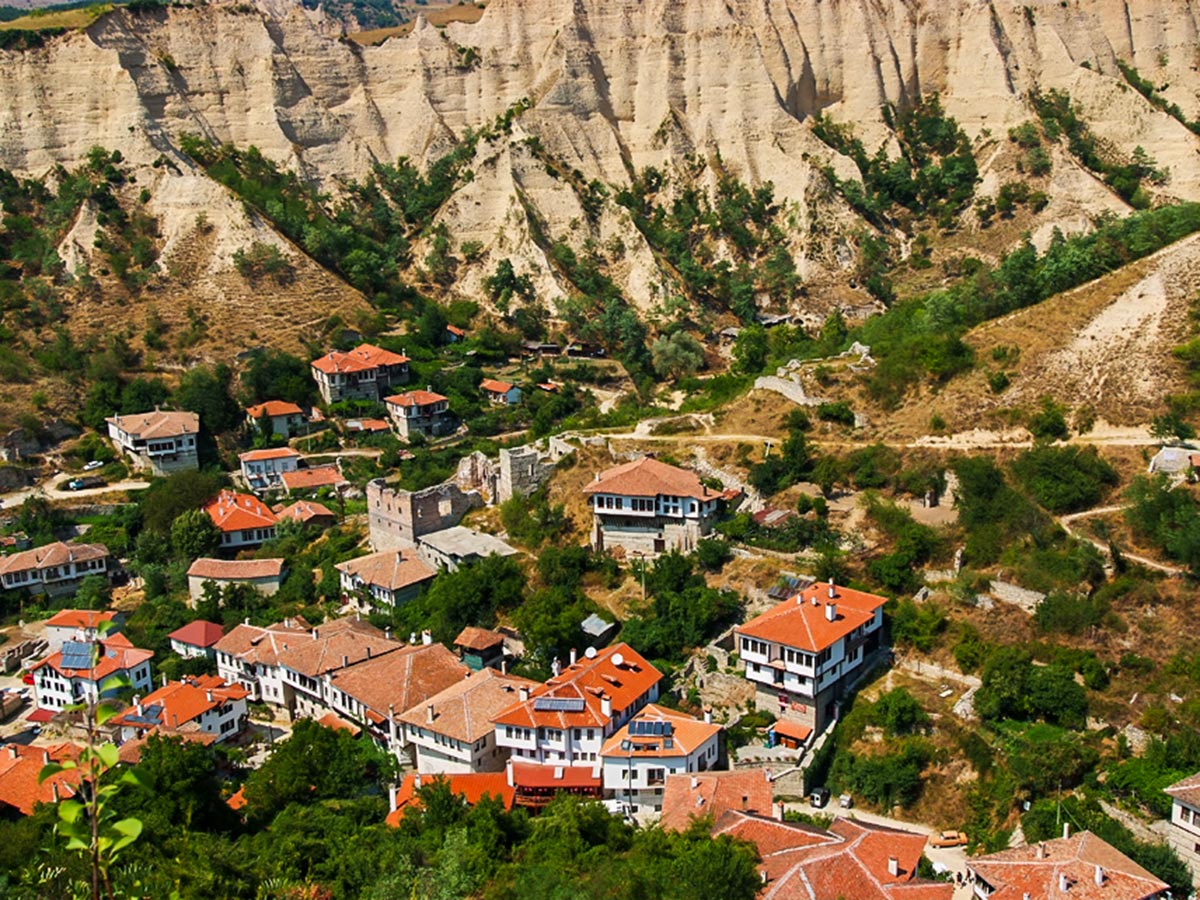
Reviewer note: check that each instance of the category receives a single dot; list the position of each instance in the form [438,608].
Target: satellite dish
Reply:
[618,659]
[590,652]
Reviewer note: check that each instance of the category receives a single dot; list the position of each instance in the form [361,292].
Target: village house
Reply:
[276,417]
[480,648]
[375,691]
[263,469]
[565,722]
[472,787]
[22,788]
[454,334]
[712,794]
[80,625]
[503,393]
[647,507]
[449,548]
[389,578]
[803,653]
[54,569]
[366,426]
[203,703]
[656,743]
[452,732]
[308,512]
[264,575]
[161,441]
[364,373]
[196,639]
[77,673]
[1184,830]
[1082,865]
[419,412]
[242,519]
[312,478]
[249,655]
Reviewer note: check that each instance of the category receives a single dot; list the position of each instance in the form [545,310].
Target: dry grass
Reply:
[437,16]
[70,18]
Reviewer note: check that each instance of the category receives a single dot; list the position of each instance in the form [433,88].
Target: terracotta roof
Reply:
[56,554]
[548,386]
[647,477]
[471,786]
[1186,791]
[333,646]
[688,734]
[21,768]
[239,512]
[1016,872]
[157,424]
[587,680]
[711,794]
[235,569]
[273,408]
[273,453]
[492,386]
[802,622]
[472,638]
[255,644]
[237,800]
[392,570]
[80,618]
[337,723]
[319,476]
[367,425]
[535,775]
[116,654]
[464,710]
[360,359]
[400,679]
[178,703]
[198,633]
[305,511]
[454,329]
[789,729]
[415,398]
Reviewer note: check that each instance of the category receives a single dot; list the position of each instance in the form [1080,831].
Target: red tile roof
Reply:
[1186,791]
[80,618]
[273,408]
[20,771]
[231,511]
[319,476]
[337,723]
[272,453]
[367,425]
[56,554]
[472,787]
[392,570]
[305,511]
[180,703]
[534,775]
[688,734]
[1080,858]
[332,646]
[157,424]
[588,680]
[235,569]
[790,729]
[415,398]
[116,655]
[455,330]
[254,644]
[472,638]
[401,679]
[802,621]
[360,359]
[647,477]
[492,386]
[464,710]
[711,794]
[198,633]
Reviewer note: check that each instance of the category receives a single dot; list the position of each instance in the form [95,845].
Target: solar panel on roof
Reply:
[76,655]
[558,704]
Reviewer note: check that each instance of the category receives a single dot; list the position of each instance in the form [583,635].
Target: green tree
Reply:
[194,534]
[205,391]
[750,349]
[676,355]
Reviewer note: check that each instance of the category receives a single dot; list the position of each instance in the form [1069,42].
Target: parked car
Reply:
[87,481]
[27,678]
[93,465]
[948,839]
[846,801]
[818,798]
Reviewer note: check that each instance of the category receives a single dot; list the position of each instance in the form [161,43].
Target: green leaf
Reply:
[104,712]
[70,811]
[49,770]
[108,754]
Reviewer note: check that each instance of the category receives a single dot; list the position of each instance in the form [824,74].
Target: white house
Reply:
[262,469]
[161,441]
[195,639]
[242,519]
[77,673]
[53,569]
[419,412]
[264,575]
[362,373]
[202,703]
[1184,833]
[449,548]
[802,653]
[276,417]
[655,743]
[451,732]
[502,392]
[80,625]
[389,578]
[648,507]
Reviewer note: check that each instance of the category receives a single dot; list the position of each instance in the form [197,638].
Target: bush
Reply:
[1064,479]
[838,412]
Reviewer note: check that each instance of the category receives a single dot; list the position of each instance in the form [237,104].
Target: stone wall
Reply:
[397,518]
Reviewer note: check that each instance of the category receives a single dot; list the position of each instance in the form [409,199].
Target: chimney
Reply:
[815,600]
[572,656]
[695,780]
[523,693]
[429,714]
[1099,875]
[555,667]
[417,781]
[246,621]
[893,862]
[1063,884]
[387,632]
[763,875]
[314,634]
[45,757]
[831,611]
[708,715]
[137,703]
[345,660]
[208,695]
[392,798]
[779,811]
[558,773]
[606,706]
[412,637]
[503,666]
[14,752]
[1066,830]
[1041,850]
[54,790]
[426,637]
[368,651]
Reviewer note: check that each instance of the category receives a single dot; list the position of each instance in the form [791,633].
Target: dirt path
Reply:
[16,498]
[1065,522]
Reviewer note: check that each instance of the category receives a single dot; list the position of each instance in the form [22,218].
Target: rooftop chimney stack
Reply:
[426,637]
[555,667]
[831,611]
[208,695]
[345,660]
[573,657]
[523,693]
[1041,850]
[429,714]
[779,810]
[1063,884]
[1099,875]
[695,780]
[606,706]
[1066,830]
[893,864]
[392,798]
[708,715]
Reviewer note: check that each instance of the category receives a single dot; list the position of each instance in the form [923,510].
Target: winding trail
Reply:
[1065,522]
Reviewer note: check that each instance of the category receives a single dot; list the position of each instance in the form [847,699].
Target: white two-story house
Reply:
[364,373]
[276,417]
[202,703]
[161,441]
[648,507]
[419,412]
[242,519]
[387,578]
[1184,833]
[83,671]
[53,569]
[262,469]
[655,743]
[803,653]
